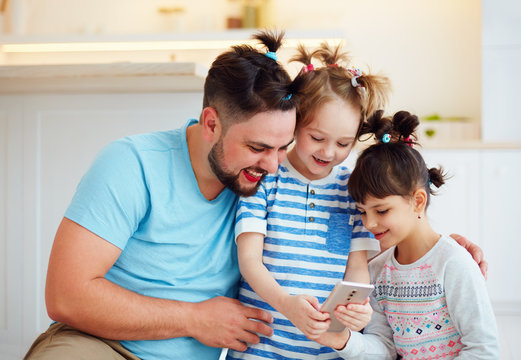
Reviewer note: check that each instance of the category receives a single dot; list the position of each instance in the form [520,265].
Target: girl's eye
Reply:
[381,212]
[343,145]
[315,138]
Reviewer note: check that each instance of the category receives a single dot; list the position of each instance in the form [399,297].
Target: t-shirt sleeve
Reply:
[362,239]
[252,213]
[112,197]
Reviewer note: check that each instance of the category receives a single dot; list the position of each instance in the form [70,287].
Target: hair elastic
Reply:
[356,74]
[408,141]
[272,55]
[287,97]
[386,138]
[307,68]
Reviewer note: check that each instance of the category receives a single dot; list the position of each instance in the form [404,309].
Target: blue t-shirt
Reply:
[141,195]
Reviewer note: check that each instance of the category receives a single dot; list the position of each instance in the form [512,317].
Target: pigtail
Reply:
[271,40]
[377,124]
[331,56]
[437,177]
[303,56]
[377,89]
[404,126]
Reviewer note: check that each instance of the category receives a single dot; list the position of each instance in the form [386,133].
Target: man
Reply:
[144,264]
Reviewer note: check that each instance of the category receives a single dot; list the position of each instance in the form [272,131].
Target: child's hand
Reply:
[335,340]
[354,316]
[302,311]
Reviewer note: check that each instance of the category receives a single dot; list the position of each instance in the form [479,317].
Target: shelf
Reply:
[107,78]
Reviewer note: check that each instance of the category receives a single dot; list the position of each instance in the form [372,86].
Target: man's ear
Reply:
[419,200]
[211,124]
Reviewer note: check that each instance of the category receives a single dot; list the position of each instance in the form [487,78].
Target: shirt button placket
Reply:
[311,205]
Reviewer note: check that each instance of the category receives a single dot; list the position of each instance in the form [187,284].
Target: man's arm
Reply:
[78,294]
[474,250]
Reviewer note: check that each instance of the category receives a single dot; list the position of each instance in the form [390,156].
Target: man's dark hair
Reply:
[244,81]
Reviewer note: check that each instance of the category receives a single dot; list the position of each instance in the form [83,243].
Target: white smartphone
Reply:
[343,293]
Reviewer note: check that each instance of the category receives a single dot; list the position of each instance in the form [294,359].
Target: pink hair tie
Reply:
[408,141]
[308,68]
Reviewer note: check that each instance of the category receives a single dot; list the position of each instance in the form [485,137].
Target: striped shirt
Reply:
[309,228]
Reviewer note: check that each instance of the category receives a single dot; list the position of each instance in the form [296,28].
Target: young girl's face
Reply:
[392,219]
[326,141]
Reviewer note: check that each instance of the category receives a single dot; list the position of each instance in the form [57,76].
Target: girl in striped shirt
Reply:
[295,234]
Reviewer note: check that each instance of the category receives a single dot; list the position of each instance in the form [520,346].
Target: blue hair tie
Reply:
[272,55]
[386,138]
[287,97]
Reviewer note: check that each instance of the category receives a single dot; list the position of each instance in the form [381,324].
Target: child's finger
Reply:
[353,323]
[317,328]
[319,316]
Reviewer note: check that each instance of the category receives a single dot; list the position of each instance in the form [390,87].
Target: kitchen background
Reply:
[74,75]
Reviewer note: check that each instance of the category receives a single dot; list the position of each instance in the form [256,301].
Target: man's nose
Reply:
[270,161]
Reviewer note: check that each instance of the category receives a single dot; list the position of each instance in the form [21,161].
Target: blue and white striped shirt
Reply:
[309,228]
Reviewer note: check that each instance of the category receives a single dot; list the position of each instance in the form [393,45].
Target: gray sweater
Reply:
[438,305]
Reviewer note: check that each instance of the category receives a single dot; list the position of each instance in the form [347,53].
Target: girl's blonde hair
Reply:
[333,80]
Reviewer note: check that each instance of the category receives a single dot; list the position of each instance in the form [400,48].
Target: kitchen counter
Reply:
[119,77]
[434,144]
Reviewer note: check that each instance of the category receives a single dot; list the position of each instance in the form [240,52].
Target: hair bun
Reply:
[405,123]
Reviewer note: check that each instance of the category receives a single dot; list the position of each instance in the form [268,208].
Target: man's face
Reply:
[249,150]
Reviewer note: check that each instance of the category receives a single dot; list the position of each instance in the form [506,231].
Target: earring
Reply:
[419,216]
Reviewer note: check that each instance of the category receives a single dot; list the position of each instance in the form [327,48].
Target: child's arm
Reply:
[376,342]
[357,269]
[301,310]
[356,316]
[470,309]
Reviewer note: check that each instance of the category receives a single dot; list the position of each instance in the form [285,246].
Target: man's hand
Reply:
[474,250]
[226,323]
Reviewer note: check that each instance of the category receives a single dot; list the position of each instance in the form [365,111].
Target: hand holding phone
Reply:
[343,293]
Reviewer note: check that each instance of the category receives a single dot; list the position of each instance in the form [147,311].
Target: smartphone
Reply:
[343,293]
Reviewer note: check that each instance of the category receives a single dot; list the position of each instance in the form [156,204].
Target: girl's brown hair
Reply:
[391,166]
[333,80]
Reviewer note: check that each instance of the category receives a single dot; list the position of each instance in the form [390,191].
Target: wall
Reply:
[431,50]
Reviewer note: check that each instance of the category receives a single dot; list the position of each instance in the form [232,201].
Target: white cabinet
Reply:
[47,142]
[499,220]
[481,201]
[11,228]
[455,208]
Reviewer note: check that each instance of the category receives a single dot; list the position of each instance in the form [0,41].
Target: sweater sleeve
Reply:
[376,341]
[469,306]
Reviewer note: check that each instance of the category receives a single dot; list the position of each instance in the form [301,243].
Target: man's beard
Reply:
[228,179]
